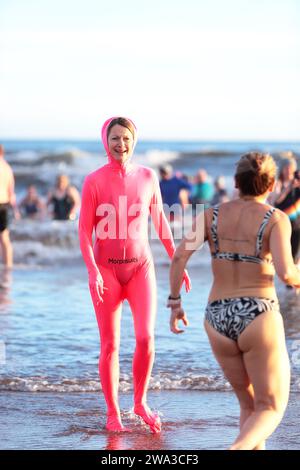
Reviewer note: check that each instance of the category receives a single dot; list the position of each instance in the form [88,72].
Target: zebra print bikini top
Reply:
[217,254]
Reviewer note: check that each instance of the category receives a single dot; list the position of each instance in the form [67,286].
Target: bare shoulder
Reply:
[73,190]
[280,217]
[7,168]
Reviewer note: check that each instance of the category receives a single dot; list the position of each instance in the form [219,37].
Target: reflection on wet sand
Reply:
[137,440]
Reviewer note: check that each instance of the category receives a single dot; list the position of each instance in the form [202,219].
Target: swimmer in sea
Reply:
[31,205]
[116,202]
[64,199]
[249,242]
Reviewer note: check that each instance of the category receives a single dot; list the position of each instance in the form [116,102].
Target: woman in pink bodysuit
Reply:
[116,202]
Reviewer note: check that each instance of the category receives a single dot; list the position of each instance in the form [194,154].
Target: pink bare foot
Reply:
[149,417]
[114,424]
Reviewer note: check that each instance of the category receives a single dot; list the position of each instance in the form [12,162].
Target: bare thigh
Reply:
[266,360]
[4,236]
[230,358]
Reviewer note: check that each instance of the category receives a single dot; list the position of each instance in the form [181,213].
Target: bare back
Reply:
[6,183]
[239,222]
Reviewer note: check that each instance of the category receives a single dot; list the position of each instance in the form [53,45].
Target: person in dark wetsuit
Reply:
[64,199]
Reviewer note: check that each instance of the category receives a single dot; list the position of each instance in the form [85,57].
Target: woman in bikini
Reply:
[249,241]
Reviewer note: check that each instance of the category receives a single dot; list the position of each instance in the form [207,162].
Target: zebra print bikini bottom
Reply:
[231,316]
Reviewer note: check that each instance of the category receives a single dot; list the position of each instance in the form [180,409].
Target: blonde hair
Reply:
[62,178]
[255,173]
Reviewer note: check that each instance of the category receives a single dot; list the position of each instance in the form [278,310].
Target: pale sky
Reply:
[194,69]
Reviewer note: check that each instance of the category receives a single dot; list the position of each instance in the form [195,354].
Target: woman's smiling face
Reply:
[120,143]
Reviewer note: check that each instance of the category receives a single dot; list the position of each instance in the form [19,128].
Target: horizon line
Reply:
[152,139]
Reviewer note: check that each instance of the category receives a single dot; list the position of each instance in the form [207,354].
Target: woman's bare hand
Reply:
[177,314]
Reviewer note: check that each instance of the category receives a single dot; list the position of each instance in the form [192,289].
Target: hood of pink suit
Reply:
[105,126]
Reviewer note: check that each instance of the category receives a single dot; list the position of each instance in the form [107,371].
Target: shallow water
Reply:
[51,339]
[49,387]
[51,372]
[195,420]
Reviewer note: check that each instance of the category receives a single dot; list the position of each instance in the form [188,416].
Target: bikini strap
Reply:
[213,229]
[261,231]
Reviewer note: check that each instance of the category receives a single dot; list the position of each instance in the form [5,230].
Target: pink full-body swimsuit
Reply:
[119,197]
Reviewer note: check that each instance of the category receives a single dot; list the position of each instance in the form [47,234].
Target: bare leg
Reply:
[267,365]
[244,415]
[7,250]
[231,361]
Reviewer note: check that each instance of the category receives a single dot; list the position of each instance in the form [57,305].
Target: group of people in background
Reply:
[286,197]
[63,201]
[177,188]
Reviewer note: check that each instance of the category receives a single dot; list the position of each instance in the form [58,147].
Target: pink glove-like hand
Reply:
[187,281]
[96,285]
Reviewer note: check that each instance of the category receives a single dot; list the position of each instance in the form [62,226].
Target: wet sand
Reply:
[192,420]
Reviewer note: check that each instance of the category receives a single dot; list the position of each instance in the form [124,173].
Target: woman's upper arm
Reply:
[207,219]
[74,194]
[195,238]
[280,245]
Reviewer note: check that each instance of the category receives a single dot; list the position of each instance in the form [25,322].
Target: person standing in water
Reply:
[64,198]
[174,190]
[249,241]
[116,202]
[31,205]
[221,194]
[286,197]
[7,200]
